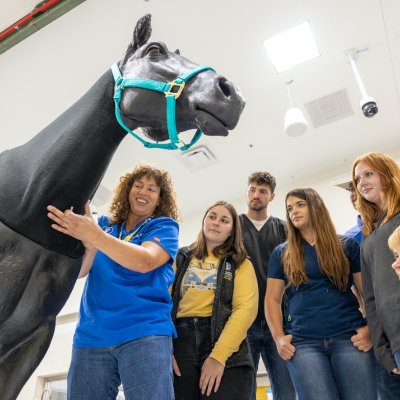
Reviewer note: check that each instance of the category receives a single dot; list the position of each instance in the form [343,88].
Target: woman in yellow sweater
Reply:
[215,299]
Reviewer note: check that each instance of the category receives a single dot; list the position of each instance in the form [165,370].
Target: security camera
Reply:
[367,103]
[368,106]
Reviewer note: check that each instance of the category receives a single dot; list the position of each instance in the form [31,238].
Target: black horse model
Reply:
[63,166]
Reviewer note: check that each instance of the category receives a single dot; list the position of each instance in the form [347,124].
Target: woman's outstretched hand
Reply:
[211,375]
[81,227]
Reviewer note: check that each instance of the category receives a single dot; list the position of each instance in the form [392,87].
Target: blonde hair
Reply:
[331,258]
[394,239]
[119,207]
[389,173]
[233,245]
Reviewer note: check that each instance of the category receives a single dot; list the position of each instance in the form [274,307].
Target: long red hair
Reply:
[389,173]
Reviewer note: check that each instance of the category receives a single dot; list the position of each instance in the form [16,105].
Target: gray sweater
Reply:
[381,292]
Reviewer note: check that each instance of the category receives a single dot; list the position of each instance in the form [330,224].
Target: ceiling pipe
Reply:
[39,9]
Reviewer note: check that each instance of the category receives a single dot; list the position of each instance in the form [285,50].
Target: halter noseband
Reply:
[172,91]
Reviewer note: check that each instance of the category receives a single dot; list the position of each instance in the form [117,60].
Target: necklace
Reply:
[127,238]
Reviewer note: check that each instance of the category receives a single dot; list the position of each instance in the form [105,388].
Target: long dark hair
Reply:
[332,260]
[232,246]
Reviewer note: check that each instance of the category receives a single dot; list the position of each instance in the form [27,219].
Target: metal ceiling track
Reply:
[43,14]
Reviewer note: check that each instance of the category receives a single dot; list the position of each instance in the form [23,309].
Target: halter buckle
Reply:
[175,89]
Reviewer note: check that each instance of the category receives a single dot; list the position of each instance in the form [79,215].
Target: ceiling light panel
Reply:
[292,47]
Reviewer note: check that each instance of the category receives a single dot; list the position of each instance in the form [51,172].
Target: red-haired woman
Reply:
[377,179]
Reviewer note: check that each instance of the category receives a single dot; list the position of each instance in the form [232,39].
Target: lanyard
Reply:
[127,238]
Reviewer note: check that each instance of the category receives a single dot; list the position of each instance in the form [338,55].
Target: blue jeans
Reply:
[397,359]
[388,385]
[332,369]
[262,343]
[143,366]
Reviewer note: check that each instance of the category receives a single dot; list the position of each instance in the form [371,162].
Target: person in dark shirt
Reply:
[261,234]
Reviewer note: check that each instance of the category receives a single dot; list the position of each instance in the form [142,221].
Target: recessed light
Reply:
[292,47]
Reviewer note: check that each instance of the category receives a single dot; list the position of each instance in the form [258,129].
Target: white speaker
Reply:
[295,122]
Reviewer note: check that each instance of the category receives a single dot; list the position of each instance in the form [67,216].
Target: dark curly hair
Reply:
[119,207]
[262,178]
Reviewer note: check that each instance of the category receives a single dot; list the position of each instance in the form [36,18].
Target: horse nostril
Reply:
[224,85]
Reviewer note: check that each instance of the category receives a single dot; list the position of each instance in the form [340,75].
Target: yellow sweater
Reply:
[197,297]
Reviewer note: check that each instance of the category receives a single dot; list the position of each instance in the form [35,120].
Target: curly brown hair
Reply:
[119,207]
[262,178]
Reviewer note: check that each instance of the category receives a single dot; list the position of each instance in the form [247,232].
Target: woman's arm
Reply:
[358,291]
[141,258]
[362,339]
[273,314]
[244,311]
[379,339]
[87,262]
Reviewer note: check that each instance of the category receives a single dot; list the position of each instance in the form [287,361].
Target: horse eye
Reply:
[153,51]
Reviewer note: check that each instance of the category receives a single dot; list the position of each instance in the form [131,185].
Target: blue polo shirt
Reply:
[118,304]
[317,309]
[356,231]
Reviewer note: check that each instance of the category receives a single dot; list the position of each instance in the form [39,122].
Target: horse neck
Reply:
[64,164]
[88,130]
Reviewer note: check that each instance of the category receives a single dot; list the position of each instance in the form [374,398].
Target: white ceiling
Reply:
[46,73]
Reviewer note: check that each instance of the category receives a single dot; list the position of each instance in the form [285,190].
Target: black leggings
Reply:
[191,348]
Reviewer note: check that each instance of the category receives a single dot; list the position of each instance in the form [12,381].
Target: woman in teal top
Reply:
[125,330]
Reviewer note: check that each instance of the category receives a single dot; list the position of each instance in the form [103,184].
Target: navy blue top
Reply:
[118,304]
[317,309]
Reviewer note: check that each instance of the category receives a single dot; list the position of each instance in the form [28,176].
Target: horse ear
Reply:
[141,35]
[142,31]
[177,51]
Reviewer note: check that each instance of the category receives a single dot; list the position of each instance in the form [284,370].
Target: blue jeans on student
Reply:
[262,343]
[388,385]
[397,359]
[143,366]
[332,368]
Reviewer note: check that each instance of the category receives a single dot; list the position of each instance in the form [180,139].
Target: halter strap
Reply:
[172,91]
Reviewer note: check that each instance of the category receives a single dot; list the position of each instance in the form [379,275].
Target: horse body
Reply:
[63,165]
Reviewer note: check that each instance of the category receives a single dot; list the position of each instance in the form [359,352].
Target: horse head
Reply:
[209,102]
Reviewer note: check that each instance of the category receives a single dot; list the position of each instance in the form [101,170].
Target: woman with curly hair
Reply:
[125,331]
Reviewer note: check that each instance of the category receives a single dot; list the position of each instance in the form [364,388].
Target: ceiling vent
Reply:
[198,157]
[330,108]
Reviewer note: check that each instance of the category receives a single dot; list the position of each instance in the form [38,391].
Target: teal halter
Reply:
[172,91]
